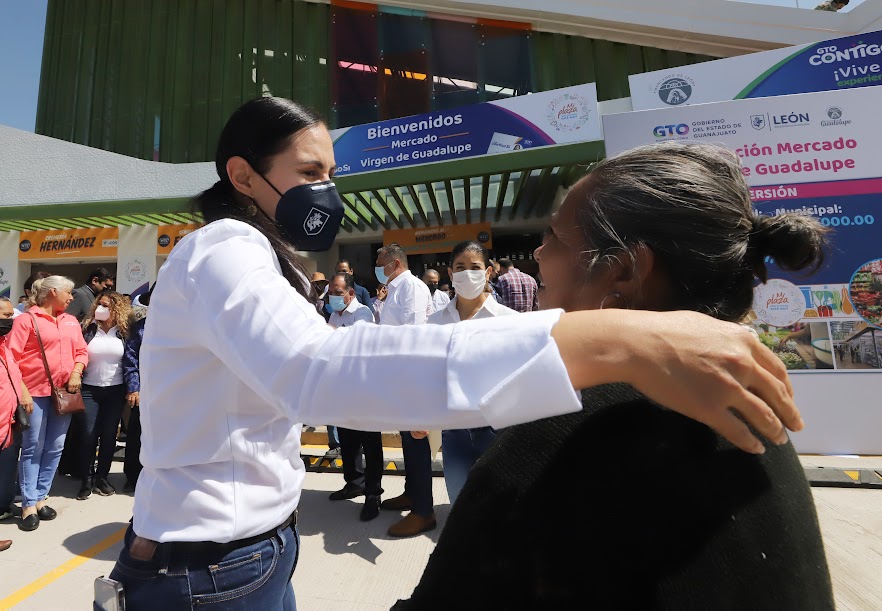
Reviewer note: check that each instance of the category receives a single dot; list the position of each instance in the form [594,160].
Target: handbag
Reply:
[22,417]
[65,402]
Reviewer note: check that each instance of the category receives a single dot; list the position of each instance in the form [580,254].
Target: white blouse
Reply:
[105,359]
[233,359]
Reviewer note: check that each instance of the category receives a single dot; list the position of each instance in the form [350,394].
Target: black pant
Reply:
[98,426]
[132,465]
[350,443]
[418,473]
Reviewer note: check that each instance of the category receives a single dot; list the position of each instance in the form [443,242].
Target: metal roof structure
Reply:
[514,186]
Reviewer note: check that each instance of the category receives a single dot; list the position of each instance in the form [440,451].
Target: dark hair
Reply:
[469,246]
[395,252]
[101,274]
[506,263]
[258,131]
[33,278]
[690,204]
[346,261]
[348,280]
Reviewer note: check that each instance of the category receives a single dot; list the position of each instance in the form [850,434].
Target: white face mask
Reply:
[102,313]
[469,284]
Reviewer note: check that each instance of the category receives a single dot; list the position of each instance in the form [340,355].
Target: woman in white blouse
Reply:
[235,357]
[469,273]
[105,330]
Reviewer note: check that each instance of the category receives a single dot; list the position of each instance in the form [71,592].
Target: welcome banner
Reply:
[529,121]
[832,65]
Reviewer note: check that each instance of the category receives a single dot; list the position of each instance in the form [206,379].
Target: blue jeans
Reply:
[418,473]
[462,449]
[41,447]
[254,577]
[98,426]
[8,469]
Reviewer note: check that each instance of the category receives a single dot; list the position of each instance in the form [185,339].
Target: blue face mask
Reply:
[336,303]
[380,272]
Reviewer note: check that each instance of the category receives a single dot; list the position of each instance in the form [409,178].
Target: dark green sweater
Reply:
[626,505]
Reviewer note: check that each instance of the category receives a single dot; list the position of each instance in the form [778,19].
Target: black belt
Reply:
[222,549]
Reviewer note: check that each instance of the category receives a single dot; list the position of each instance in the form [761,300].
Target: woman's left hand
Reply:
[74,383]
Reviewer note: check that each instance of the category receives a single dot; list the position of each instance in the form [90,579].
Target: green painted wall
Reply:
[157,79]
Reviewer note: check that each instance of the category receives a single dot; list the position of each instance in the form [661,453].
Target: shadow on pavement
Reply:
[343,533]
[80,542]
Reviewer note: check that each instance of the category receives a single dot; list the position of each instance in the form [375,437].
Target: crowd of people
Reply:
[646,270]
[479,287]
[86,341]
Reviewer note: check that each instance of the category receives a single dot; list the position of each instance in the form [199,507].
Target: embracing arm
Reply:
[691,363]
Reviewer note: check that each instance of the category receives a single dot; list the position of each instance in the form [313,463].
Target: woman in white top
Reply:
[105,329]
[470,274]
[235,357]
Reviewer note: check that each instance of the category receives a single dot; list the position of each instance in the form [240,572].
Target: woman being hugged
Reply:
[106,330]
[668,515]
[67,357]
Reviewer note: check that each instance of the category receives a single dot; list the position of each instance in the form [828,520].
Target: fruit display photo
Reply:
[865,291]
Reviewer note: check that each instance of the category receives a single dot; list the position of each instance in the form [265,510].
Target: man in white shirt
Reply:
[408,302]
[348,312]
[440,299]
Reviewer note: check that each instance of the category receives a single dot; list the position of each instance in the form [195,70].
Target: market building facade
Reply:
[140,91]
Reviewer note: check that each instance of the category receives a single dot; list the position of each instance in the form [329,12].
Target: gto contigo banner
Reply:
[815,154]
[841,63]
[528,121]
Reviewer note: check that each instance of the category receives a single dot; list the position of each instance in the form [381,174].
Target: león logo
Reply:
[315,221]
[758,121]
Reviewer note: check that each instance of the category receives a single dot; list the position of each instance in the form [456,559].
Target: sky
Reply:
[21,51]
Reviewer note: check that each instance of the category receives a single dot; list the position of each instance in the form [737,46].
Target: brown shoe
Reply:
[412,525]
[399,503]
[5,545]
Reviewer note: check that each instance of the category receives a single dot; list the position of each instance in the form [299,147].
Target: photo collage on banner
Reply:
[815,154]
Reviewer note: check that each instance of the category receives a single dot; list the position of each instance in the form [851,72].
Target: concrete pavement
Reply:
[347,565]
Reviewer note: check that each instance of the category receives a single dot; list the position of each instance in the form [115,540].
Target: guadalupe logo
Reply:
[568,112]
[135,271]
[315,221]
[758,121]
[675,90]
[834,113]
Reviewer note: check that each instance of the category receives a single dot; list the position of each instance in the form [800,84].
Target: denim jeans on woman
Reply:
[461,450]
[100,421]
[250,578]
[41,447]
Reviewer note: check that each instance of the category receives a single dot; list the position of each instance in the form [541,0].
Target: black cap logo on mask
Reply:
[310,215]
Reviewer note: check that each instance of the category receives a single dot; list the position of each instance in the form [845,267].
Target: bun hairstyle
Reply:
[690,204]
[258,131]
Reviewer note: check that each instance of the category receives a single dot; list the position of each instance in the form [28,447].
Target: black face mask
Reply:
[433,286]
[310,215]
[5,326]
